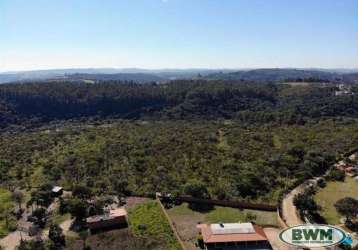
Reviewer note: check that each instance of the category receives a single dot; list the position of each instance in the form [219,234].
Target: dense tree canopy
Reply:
[249,102]
[220,159]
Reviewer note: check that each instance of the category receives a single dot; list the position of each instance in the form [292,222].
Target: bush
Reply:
[305,204]
[321,183]
[197,189]
[39,216]
[251,217]
[82,192]
[200,241]
[63,207]
[56,236]
[336,175]
[347,207]
[78,209]
[31,245]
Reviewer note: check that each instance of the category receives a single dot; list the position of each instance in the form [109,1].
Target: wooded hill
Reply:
[177,100]
[277,75]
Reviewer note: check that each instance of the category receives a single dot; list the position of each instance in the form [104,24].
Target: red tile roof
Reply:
[209,237]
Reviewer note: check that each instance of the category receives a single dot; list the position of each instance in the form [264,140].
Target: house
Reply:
[115,218]
[233,236]
[57,191]
[343,90]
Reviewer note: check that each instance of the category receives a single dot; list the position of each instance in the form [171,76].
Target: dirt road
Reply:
[289,211]
[12,240]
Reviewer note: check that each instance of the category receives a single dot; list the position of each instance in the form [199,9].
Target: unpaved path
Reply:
[12,240]
[66,226]
[289,211]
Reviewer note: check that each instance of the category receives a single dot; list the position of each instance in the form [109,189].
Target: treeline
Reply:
[184,99]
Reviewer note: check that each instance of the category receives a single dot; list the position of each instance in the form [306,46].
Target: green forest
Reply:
[30,104]
[223,159]
[226,140]
[203,138]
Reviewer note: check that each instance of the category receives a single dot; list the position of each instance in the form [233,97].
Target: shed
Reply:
[115,218]
[57,190]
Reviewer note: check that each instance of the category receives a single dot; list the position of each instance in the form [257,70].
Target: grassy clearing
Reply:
[226,215]
[58,218]
[6,207]
[147,219]
[229,215]
[328,196]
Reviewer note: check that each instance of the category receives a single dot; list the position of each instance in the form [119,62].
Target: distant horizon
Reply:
[174,69]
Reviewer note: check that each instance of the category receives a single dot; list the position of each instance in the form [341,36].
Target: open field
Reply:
[185,219]
[148,220]
[334,191]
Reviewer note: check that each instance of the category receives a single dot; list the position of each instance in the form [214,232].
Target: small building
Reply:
[233,236]
[114,219]
[57,191]
[353,157]
[343,89]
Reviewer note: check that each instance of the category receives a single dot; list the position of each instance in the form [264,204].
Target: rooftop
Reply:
[56,189]
[232,228]
[231,232]
[113,214]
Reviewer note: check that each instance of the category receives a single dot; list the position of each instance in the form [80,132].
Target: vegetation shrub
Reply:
[321,183]
[336,175]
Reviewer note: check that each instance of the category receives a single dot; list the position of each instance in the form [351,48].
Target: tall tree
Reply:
[56,236]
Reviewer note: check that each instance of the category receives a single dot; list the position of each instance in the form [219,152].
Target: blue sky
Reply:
[40,34]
